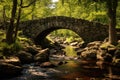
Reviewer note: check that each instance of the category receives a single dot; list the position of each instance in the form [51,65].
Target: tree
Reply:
[13,29]
[111,12]
[18,19]
[10,31]
[112,7]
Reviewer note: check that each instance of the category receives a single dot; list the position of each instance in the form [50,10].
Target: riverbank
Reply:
[56,62]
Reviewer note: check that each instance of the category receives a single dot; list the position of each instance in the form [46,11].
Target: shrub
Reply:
[8,50]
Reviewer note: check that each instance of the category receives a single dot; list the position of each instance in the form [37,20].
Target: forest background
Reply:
[95,10]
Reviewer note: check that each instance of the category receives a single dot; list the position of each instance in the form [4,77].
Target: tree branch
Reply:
[29,4]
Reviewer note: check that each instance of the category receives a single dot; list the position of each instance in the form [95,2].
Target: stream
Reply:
[72,69]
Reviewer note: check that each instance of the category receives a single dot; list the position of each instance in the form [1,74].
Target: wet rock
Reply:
[112,50]
[99,63]
[11,60]
[117,54]
[98,51]
[25,57]
[52,51]
[10,67]
[61,52]
[59,63]
[42,56]
[99,57]
[95,43]
[74,43]
[116,58]
[116,62]
[107,58]
[90,54]
[65,42]
[9,70]
[31,50]
[106,46]
[47,65]
[92,47]
[80,51]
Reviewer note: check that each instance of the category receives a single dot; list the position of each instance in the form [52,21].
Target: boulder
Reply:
[11,60]
[42,56]
[116,62]
[95,43]
[52,51]
[74,43]
[89,55]
[60,63]
[32,50]
[25,57]
[97,51]
[47,65]
[10,67]
[116,58]
[80,51]
[9,70]
[107,58]
[117,54]
[112,50]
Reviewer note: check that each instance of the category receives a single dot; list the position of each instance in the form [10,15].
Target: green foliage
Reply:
[70,39]
[68,35]
[85,9]
[8,50]
[2,35]
[107,45]
[49,39]
[98,16]
[70,51]
[64,33]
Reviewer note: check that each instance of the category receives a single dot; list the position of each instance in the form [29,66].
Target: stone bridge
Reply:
[88,31]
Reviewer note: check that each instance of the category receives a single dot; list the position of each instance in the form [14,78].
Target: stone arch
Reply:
[89,31]
[43,34]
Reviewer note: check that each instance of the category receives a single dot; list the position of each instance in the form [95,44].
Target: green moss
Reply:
[48,37]
[106,45]
[69,39]
[70,51]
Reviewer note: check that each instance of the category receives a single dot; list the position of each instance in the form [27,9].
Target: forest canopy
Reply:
[44,8]
[103,11]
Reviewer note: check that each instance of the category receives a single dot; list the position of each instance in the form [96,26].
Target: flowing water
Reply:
[71,70]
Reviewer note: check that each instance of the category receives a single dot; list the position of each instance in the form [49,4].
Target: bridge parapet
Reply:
[88,30]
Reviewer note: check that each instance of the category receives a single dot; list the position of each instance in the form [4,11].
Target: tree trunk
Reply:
[10,31]
[33,9]
[112,6]
[18,20]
